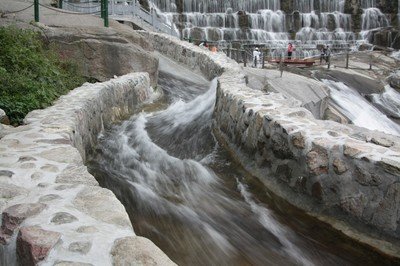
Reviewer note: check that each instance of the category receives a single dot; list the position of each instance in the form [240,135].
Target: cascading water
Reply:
[389,101]
[372,18]
[329,25]
[182,191]
[360,111]
[259,21]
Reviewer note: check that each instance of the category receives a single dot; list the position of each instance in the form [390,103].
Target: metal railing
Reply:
[125,10]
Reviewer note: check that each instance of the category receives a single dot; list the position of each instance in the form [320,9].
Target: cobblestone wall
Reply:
[53,210]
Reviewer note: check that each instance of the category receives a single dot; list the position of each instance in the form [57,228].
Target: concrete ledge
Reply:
[47,196]
[319,166]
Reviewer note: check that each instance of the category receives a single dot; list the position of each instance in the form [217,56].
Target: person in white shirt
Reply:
[256,56]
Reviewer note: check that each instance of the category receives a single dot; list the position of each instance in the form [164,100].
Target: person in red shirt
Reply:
[290,50]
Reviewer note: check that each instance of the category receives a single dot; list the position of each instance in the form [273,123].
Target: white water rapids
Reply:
[361,112]
[187,195]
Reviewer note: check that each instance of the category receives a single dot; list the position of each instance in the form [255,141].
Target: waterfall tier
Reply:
[263,21]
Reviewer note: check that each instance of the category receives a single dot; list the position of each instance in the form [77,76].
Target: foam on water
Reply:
[389,101]
[359,110]
[266,218]
[143,168]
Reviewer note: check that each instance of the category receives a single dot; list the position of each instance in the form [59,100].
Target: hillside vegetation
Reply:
[31,76]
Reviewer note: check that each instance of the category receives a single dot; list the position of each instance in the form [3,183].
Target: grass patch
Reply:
[31,76]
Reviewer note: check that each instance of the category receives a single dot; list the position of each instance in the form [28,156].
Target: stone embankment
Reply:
[53,210]
[320,166]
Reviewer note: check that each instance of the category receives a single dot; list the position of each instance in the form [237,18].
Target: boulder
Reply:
[4,118]
[76,174]
[13,216]
[386,37]
[102,205]
[63,218]
[394,80]
[34,244]
[8,190]
[317,161]
[138,251]
[80,247]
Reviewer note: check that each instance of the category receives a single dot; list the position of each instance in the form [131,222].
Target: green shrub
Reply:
[31,77]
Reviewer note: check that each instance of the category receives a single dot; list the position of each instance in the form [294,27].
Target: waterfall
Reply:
[389,101]
[307,6]
[264,25]
[263,21]
[259,21]
[220,6]
[304,6]
[330,24]
[372,18]
[360,111]
[368,3]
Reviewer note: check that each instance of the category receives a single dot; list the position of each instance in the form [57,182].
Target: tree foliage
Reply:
[31,76]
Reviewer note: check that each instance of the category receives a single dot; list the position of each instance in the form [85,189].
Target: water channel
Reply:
[185,193]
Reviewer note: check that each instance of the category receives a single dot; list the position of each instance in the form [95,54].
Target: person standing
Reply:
[328,54]
[256,56]
[323,53]
[290,50]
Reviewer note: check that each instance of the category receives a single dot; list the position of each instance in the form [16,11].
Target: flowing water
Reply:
[259,21]
[389,101]
[184,192]
[350,103]
[372,18]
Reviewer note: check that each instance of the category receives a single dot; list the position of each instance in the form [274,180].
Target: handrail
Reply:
[126,8]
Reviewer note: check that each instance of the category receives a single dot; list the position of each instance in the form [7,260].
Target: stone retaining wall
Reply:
[320,166]
[53,210]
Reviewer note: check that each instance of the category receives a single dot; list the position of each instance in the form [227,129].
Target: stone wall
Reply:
[319,166]
[53,210]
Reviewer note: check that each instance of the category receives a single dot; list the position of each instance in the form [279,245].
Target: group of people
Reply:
[257,54]
[325,54]
[212,48]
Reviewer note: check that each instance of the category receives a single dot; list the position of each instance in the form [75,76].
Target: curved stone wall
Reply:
[53,210]
[320,166]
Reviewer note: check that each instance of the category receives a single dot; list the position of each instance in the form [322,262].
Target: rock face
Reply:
[103,55]
[385,38]
[316,165]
